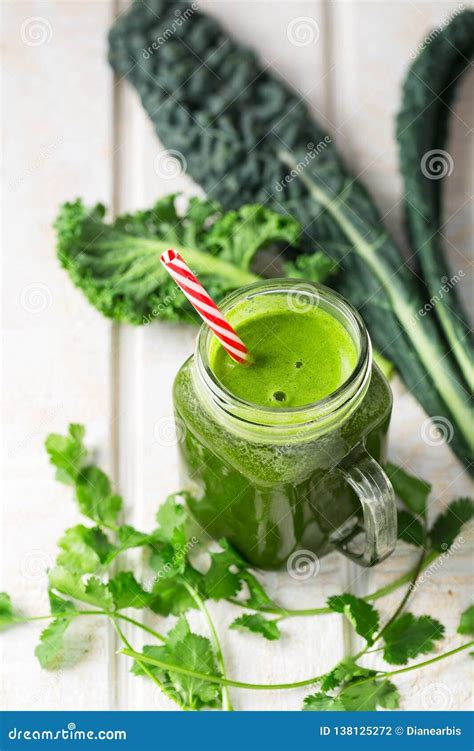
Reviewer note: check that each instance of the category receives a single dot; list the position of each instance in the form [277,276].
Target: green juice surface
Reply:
[298,357]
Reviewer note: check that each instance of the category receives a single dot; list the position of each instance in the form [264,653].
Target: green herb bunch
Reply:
[86,581]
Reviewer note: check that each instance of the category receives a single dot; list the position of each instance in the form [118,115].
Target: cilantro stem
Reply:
[377,595]
[216,678]
[389,674]
[282,686]
[146,670]
[226,702]
[77,613]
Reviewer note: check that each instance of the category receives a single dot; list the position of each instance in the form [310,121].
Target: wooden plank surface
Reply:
[56,348]
[90,137]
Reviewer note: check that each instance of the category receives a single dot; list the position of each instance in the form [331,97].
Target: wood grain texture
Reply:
[56,348]
[92,138]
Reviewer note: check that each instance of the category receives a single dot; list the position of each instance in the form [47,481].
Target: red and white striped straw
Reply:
[205,306]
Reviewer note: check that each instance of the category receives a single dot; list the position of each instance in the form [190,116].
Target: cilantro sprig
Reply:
[90,579]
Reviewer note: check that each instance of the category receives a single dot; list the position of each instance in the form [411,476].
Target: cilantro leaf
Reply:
[409,636]
[345,671]
[368,695]
[59,606]
[409,529]
[221,581]
[466,624]
[321,702]
[83,549]
[448,525]
[363,616]
[410,489]
[257,598]
[170,596]
[194,652]
[257,624]
[67,453]
[127,592]
[184,649]
[7,615]
[70,583]
[172,517]
[50,650]
[95,497]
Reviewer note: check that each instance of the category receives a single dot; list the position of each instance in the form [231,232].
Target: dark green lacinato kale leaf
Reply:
[422,132]
[247,138]
[117,265]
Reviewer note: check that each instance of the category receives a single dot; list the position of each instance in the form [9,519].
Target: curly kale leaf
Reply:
[117,265]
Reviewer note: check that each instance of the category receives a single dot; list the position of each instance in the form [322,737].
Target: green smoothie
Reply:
[258,450]
[298,357]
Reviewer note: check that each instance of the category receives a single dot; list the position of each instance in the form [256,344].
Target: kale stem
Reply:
[216,678]
[145,669]
[226,702]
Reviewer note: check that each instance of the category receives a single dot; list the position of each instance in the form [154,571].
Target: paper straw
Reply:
[205,306]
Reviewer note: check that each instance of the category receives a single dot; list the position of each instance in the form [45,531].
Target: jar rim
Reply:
[347,395]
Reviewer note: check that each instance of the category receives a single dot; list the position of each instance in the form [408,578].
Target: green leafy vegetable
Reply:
[345,671]
[191,651]
[466,624]
[410,489]
[127,592]
[118,268]
[94,592]
[322,703]
[361,614]
[7,616]
[409,636]
[410,529]
[422,131]
[447,526]
[241,145]
[95,497]
[83,549]
[257,624]
[367,696]
[67,453]
[50,650]
[187,667]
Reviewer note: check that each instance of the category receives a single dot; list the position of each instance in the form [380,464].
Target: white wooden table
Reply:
[69,130]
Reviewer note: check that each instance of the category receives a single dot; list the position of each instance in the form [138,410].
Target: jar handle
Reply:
[377,498]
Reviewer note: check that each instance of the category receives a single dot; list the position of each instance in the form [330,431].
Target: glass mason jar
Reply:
[276,480]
